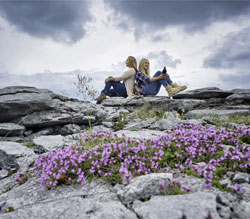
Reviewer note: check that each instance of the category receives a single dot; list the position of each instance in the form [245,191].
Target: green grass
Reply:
[237,119]
[149,112]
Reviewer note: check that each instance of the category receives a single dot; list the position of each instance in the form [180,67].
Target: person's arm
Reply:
[109,79]
[127,74]
[124,76]
[158,77]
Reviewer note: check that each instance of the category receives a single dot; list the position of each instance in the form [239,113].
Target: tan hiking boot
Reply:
[172,91]
[101,97]
[182,87]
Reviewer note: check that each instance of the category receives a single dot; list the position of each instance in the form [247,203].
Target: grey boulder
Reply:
[11,129]
[198,205]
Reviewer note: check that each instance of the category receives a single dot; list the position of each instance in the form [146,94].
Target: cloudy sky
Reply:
[47,43]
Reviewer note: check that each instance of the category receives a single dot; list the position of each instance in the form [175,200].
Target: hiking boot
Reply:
[101,98]
[172,90]
[174,85]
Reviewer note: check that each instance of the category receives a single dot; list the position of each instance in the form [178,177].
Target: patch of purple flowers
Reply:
[103,154]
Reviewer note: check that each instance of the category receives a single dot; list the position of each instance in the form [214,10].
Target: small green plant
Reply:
[148,112]
[121,123]
[236,118]
[173,188]
[181,114]
[10,209]
[29,144]
[6,209]
[8,188]
[87,92]
[10,173]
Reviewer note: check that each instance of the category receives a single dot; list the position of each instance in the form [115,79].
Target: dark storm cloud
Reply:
[233,52]
[60,20]
[192,15]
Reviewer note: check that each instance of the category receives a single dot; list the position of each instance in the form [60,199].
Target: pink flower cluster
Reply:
[103,154]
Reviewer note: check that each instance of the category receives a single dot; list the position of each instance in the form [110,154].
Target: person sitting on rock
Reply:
[160,78]
[113,86]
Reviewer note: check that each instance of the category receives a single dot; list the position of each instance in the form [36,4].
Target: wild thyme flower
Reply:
[103,154]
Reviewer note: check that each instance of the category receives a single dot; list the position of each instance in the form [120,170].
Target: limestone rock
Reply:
[144,133]
[11,129]
[242,210]
[166,124]
[24,156]
[195,205]
[70,129]
[239,99]
[184,105]
[240,177]
[143,187]
[140,125]
[7,163]
[16,102]
[108,124]
[203,93]
[49,143]
[90,200]
[52,118]
[200,113]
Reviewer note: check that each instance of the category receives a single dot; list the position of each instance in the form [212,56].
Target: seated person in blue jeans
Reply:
[154,84]
[113,86]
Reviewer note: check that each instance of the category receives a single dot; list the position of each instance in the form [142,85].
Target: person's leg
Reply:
[119,89]
[169,81]
[152,88]
[164,82]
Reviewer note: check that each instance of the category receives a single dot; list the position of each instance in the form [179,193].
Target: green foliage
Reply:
[8,188]
[10,209]
[10,173]
[149,112]
[216,183]
[237,119]
[220,172]
[181,114]
[121,123]
[245,139]
[29,144]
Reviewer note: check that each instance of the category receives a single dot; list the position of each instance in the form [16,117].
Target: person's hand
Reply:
[162,76]
[107,80]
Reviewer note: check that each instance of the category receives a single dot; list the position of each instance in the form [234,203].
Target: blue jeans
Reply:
[153,88]
[115,89]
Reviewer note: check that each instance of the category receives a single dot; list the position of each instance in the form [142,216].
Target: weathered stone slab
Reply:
[195,114]
[119,101]
[70,129]
[7,162]
[185,105]
[52,118]
[90,200]
[166,124]
[239,99]
[16,102]
[145,133]
[203,93]
[49,143]
[198,205]
[11,129]
[24,156]
[242,210]
[143,187]
[140,125]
